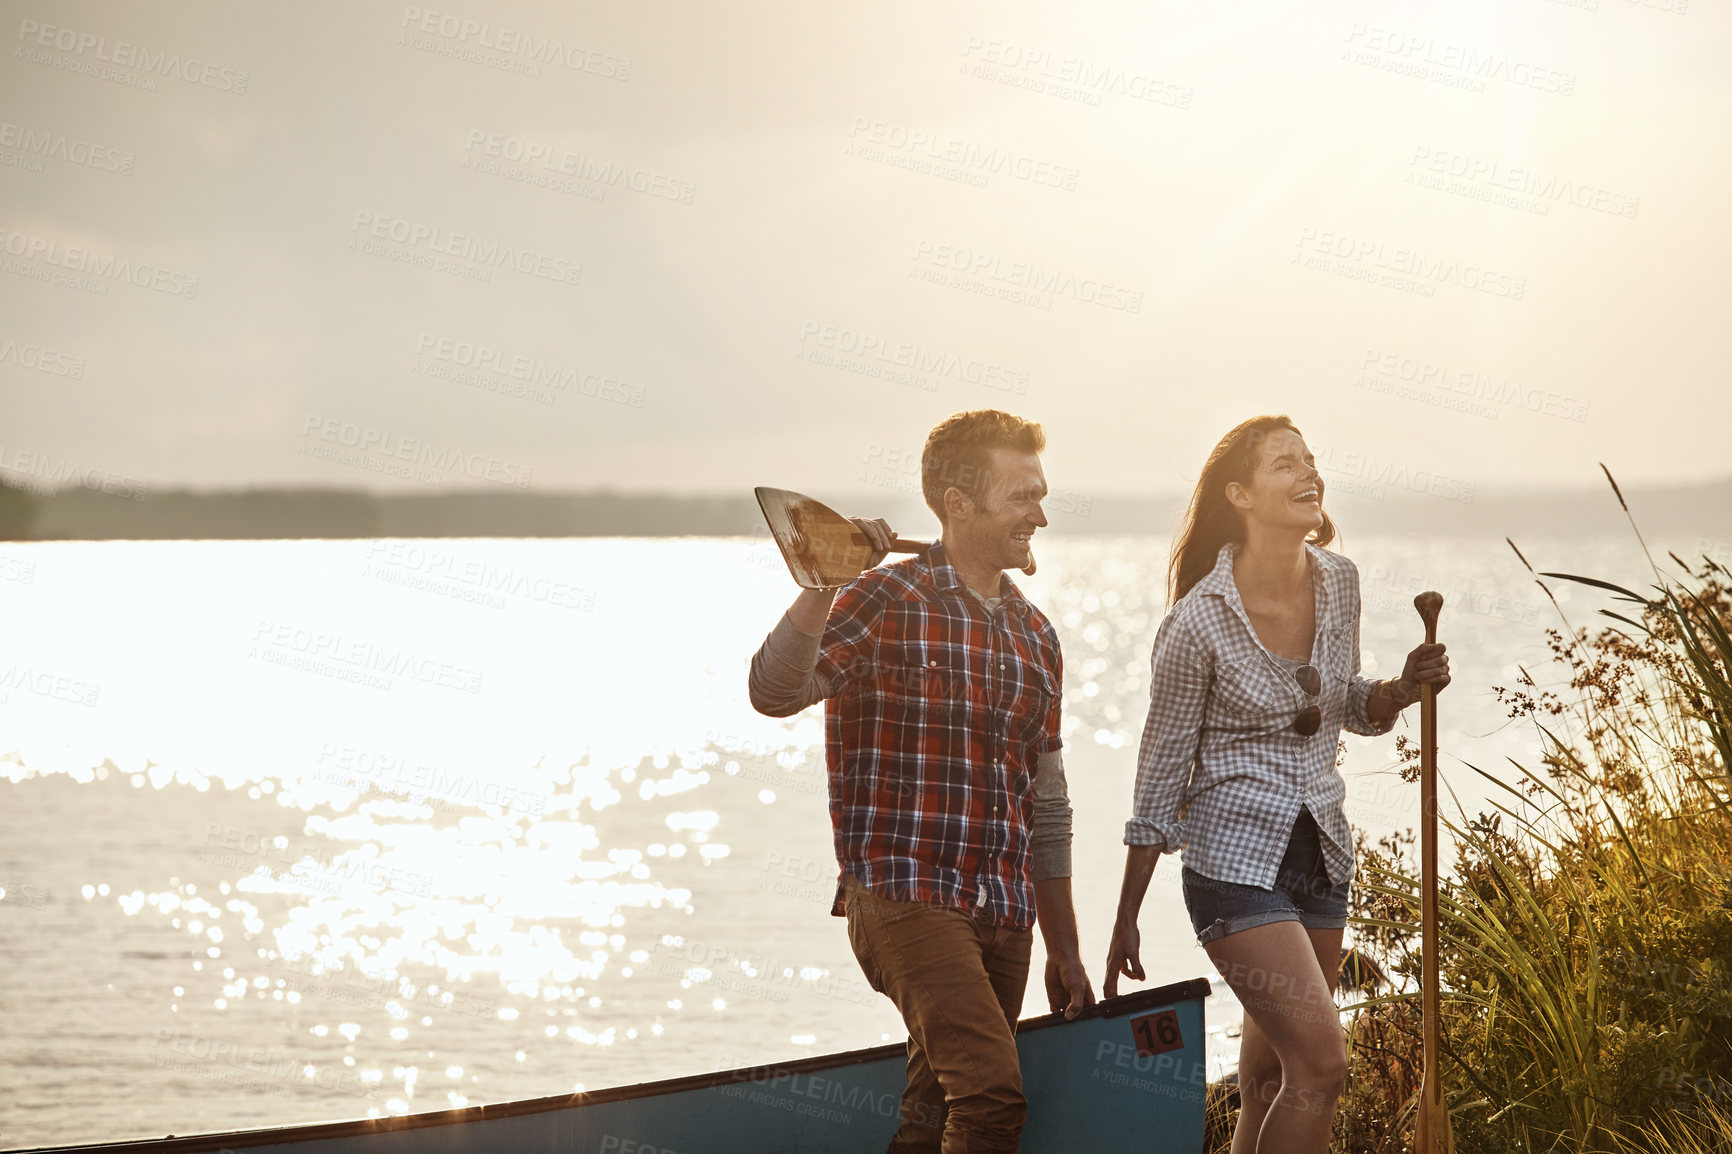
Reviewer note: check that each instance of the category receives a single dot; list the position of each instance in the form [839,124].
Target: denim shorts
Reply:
[1303,892]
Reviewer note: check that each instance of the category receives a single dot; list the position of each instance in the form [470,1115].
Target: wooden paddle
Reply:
[824,549]
[1431,1132]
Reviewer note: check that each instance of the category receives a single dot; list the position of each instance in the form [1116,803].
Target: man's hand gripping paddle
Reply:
[824,549]
[1431,1132]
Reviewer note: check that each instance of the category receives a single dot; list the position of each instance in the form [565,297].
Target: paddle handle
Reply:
[904,545]
[1432,1132]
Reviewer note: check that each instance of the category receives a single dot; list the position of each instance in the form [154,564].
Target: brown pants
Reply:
[958,985]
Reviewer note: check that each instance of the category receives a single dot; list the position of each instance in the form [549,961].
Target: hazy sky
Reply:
[654,246]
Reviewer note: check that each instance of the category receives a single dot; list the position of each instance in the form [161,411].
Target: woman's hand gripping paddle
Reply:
[1431,1133]
[824,549]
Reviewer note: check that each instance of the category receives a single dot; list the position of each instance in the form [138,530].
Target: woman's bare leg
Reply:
[1284,976]
[1259,1082]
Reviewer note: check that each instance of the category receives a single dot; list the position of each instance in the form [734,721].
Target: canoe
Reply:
[1128,1072]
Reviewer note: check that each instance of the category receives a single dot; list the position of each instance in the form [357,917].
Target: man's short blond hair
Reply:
[959,452]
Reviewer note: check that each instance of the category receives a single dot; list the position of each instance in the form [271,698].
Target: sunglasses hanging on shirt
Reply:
[1308,719]
[1310,679]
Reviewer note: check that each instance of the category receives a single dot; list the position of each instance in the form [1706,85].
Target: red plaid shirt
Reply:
[940,708]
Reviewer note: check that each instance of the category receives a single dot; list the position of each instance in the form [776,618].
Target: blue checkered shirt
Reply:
[1221,774]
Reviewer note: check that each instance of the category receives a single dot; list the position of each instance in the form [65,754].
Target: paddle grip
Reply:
[1428,604]
[904,545]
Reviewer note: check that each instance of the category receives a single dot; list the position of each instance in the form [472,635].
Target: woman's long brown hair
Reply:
[1212,521]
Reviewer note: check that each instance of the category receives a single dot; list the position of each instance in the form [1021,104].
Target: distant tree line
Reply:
[1702,512]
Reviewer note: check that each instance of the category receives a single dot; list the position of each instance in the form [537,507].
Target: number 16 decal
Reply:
[1156,1033]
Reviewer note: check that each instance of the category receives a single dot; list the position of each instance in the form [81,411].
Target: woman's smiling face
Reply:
[1284,490]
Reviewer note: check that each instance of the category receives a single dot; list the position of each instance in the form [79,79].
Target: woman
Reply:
[1256,671]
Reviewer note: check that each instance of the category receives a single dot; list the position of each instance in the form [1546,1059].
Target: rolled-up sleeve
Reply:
[1049,827]
[1178,696]
[1050,727]
[1358,719]
[845,652]
[792,670]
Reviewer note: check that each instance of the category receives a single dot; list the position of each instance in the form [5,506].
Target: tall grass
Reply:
[1707,1131]
[1586,937]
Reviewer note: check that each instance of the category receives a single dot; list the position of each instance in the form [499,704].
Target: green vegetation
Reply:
[1586,945]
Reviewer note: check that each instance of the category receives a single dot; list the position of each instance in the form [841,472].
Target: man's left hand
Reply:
[1067,986]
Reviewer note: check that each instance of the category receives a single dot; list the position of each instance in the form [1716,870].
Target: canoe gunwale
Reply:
[1191,989]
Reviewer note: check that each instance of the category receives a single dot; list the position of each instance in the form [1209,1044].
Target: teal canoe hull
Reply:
[1127,1075]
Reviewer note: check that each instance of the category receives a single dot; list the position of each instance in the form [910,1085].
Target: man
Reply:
[947,792]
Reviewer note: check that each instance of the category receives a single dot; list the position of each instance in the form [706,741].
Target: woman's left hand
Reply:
[1427,664]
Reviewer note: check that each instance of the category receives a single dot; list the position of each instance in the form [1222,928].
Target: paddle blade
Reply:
[822,547]
[1431,1129]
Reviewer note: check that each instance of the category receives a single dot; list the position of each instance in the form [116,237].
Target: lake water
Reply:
[293,831]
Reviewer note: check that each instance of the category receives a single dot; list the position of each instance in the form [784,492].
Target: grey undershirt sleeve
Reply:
[784,678]
[1050,828]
